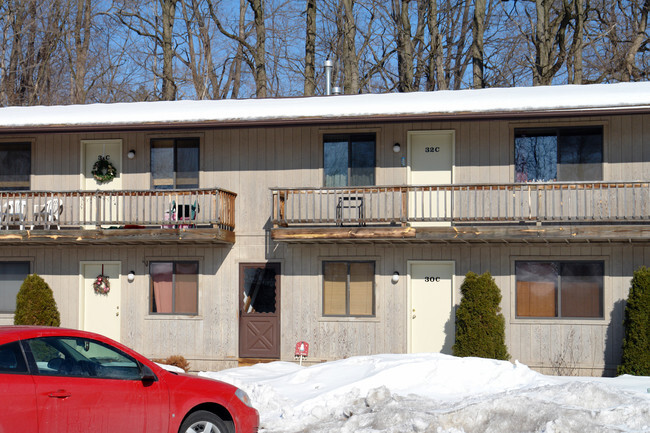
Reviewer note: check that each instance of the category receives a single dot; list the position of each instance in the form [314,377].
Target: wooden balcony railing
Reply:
[25,210]
[562,202]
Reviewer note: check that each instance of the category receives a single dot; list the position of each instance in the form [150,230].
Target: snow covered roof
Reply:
[505,102]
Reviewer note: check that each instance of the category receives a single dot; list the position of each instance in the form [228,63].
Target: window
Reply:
[562,154]
[259,287]
[349,289]
[81,357]
[349,159]
[174,287]
[175,163]
[12,275]
[11,359]
[15,166]
[559,289]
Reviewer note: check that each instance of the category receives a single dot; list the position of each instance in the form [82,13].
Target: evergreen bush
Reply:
[636,342]
[35,304]
[480,326]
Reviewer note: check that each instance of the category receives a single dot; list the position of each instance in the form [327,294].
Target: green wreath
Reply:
[103,170]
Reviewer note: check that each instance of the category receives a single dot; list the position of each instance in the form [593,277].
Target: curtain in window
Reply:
[361,281]
[335,277]
[187,283]
[582,286]
[162,280]
[559,289]
[536,289]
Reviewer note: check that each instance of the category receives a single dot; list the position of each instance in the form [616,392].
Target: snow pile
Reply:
[437,393]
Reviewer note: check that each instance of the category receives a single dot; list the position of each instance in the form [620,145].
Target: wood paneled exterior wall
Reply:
[248,160]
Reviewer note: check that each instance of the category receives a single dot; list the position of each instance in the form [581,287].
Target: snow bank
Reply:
[437,393]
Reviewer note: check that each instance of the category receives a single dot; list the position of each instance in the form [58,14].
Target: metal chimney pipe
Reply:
[328,76]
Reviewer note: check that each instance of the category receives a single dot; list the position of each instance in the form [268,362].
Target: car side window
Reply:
[82,357]
[12,359]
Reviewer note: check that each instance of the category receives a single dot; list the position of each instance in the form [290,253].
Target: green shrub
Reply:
[35,304]
[480,326]
[636,343]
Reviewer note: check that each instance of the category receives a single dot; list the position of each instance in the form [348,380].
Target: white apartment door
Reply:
[100,312]
[431,313]
[107,209]
[431,163]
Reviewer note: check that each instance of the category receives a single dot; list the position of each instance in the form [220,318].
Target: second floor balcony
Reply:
[159,216]
[550,211]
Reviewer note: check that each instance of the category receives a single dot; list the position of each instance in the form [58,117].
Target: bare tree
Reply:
[478,30]
[310,49]
[256,51]
[348,31]
[437,76]
[550,34]
[410,48]
[157,28]
[31,38]
[80,34]
[639,37]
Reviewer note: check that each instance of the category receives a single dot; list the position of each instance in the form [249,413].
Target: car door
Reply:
[85,385]
[17,397]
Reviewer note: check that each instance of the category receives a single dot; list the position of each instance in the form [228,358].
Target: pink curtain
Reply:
[162,280]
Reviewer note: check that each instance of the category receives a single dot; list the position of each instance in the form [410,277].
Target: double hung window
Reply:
[562,289]
[349,159]
[559,154]
[15,166]
[348,289]
[174,287]
[175,163]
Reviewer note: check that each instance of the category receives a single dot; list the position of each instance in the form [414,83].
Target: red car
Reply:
[62,381]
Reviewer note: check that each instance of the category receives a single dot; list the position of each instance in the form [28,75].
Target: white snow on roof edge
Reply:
[481,101]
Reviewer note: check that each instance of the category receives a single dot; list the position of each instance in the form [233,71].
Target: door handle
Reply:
[61,393]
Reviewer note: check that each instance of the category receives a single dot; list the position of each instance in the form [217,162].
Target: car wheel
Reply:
[203,421]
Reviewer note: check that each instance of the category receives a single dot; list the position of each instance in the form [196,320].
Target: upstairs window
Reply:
[15,166]
[175,163]
[559,154]
[349,159]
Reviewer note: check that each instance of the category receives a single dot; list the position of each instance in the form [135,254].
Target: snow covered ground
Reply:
[439,394]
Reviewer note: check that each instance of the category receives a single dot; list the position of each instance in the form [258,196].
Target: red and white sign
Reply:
[302,348]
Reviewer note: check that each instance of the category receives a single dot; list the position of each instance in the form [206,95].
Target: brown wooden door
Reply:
[259,310]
